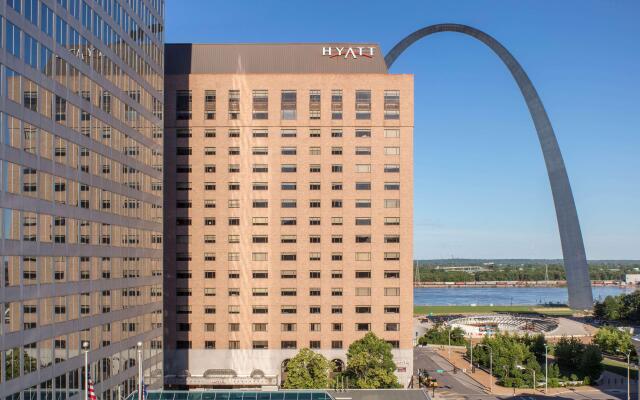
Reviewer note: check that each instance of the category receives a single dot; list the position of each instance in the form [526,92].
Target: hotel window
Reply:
[363,133]
[363,185]
[258,168]
[314,344]
[392,186]
[260,151]
[336,203]
[336,151]
[209,291]
[314,151]
[209,104]
[392,309]
[288,133]
[392,291]
[363,309]
[288,327]
[234,327]
[288,203]
[260,309]
[260,186]
[288,239]
[208,151]
[260,204]
[260,133]
[314,168]
[336,104]
[391,104]
[209,310]
[209,344]
[391,203]
[392,238]
[363,239]
[288,344]
[392,151]
[336,309]
[183,133]
[336,292]
[209,133]
[337,221]
[209,204]
[392,133]
[260,274]
[314,274]
[288,104]
[392,168]
[288,151]
[363,151]
[392,274]
[259,256]
[257,221]
[314,132]
[363,203]
[314,104]
[234,292]
[209,327]
[234,104]
[234,133]
[288,310]
[234,309]
[391,256]
[363,256]
[363,291]
[314,327]
[233,239]
[363,221]
[314,309]
[363,104]
[363,327]
[288,168]
[336,327]
[234,344]
[183,104]
[394,221]
[260,104]
[259,239]
[209,274]
[259,327]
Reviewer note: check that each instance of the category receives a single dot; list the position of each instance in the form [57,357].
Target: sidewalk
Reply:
[483,378]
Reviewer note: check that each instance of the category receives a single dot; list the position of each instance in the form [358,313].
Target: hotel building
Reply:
[80,196]
[288,208]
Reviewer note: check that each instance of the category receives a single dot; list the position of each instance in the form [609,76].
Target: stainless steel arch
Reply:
[575,260]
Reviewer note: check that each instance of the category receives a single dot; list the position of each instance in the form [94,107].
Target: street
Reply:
[461,386]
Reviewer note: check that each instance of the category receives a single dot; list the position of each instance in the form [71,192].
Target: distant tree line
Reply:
[555,272]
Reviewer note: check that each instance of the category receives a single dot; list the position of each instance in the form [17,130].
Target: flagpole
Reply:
[85,347]
[140,371]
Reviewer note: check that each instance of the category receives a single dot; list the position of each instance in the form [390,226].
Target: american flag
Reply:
[91,394]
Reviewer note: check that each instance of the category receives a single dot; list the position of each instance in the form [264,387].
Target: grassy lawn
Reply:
[619,367]
[444,310]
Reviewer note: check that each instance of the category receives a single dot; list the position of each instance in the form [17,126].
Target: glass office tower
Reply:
[80,196]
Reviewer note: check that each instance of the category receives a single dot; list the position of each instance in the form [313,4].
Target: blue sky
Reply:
[481,189]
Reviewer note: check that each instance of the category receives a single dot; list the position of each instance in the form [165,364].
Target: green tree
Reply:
[370,364]
[591,363]
[307,370]
[612,340]
[439,334]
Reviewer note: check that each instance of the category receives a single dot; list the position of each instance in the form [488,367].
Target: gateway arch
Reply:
[575,260]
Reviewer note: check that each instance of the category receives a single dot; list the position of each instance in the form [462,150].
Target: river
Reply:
[503,296]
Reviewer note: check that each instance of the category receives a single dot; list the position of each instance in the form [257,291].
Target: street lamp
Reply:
[139,370]
[636,344]
[490,365]
[449,330]
[85,350]
[471,347]
[534,375]
[628,354]
[546,370]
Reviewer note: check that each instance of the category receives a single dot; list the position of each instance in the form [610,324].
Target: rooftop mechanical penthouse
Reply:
[288,208]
